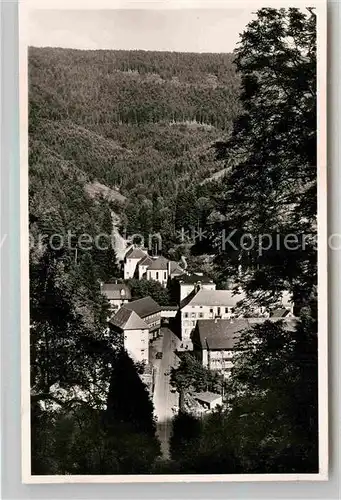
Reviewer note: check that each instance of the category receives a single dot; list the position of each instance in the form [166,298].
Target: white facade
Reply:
[190,315]
[130,267]
[136,343]
[158,275]
[142,270]
[218,360]
[154,323]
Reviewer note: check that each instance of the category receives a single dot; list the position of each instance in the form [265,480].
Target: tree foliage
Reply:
[191,376]
[271,185]
[144,288]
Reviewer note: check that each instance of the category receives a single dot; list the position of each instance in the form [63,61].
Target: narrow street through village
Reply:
[164,399]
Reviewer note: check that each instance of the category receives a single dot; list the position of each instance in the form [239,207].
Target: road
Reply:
[164,400]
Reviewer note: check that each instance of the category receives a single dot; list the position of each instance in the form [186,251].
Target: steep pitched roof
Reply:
[207,397]
[159,264]
[225,298]
[116,291]
[220,334]
[175,268]
[135,253]
[145,261]
[225,333]
[280,313]
[125,319]
[143,307]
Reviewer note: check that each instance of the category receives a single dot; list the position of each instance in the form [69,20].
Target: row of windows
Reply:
[152,316]
[164,275]
[228,310]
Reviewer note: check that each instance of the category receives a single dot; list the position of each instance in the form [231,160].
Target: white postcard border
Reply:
[321,9]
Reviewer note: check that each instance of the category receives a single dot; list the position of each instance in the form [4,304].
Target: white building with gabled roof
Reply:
[143,265]
[117,294]
[131,259]
[206,304]
[133,332]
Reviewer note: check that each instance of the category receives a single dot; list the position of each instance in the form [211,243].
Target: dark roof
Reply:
[220,334]
[144,307]
[135,253]
[207,397]
[191,279]
[175,268]
[145,261]
[225,333]
[280,313]
[114,291]
[159,264]
[126,319]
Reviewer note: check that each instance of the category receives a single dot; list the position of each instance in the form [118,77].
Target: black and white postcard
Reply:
[173,241]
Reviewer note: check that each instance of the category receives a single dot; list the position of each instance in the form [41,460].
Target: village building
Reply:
[117,294]
[206,305]
[133,332]
[208,400]
[215,341]
[142,267]
[148,310]
[161,269]
[281,313]
[168,313]
[175,270]
[158,271]
[131,259]
[190,282]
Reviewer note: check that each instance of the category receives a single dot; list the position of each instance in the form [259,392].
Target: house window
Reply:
[193,315]
[185,315]
[193,323]
[201,315]
[218,311]
[227,310]
[165,275]
[157,275]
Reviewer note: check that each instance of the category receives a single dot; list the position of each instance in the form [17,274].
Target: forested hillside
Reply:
[140,122]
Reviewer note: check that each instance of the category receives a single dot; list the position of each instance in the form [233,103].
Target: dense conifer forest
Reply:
[142,123]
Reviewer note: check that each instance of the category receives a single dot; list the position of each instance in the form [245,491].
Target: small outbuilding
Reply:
[209,400]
